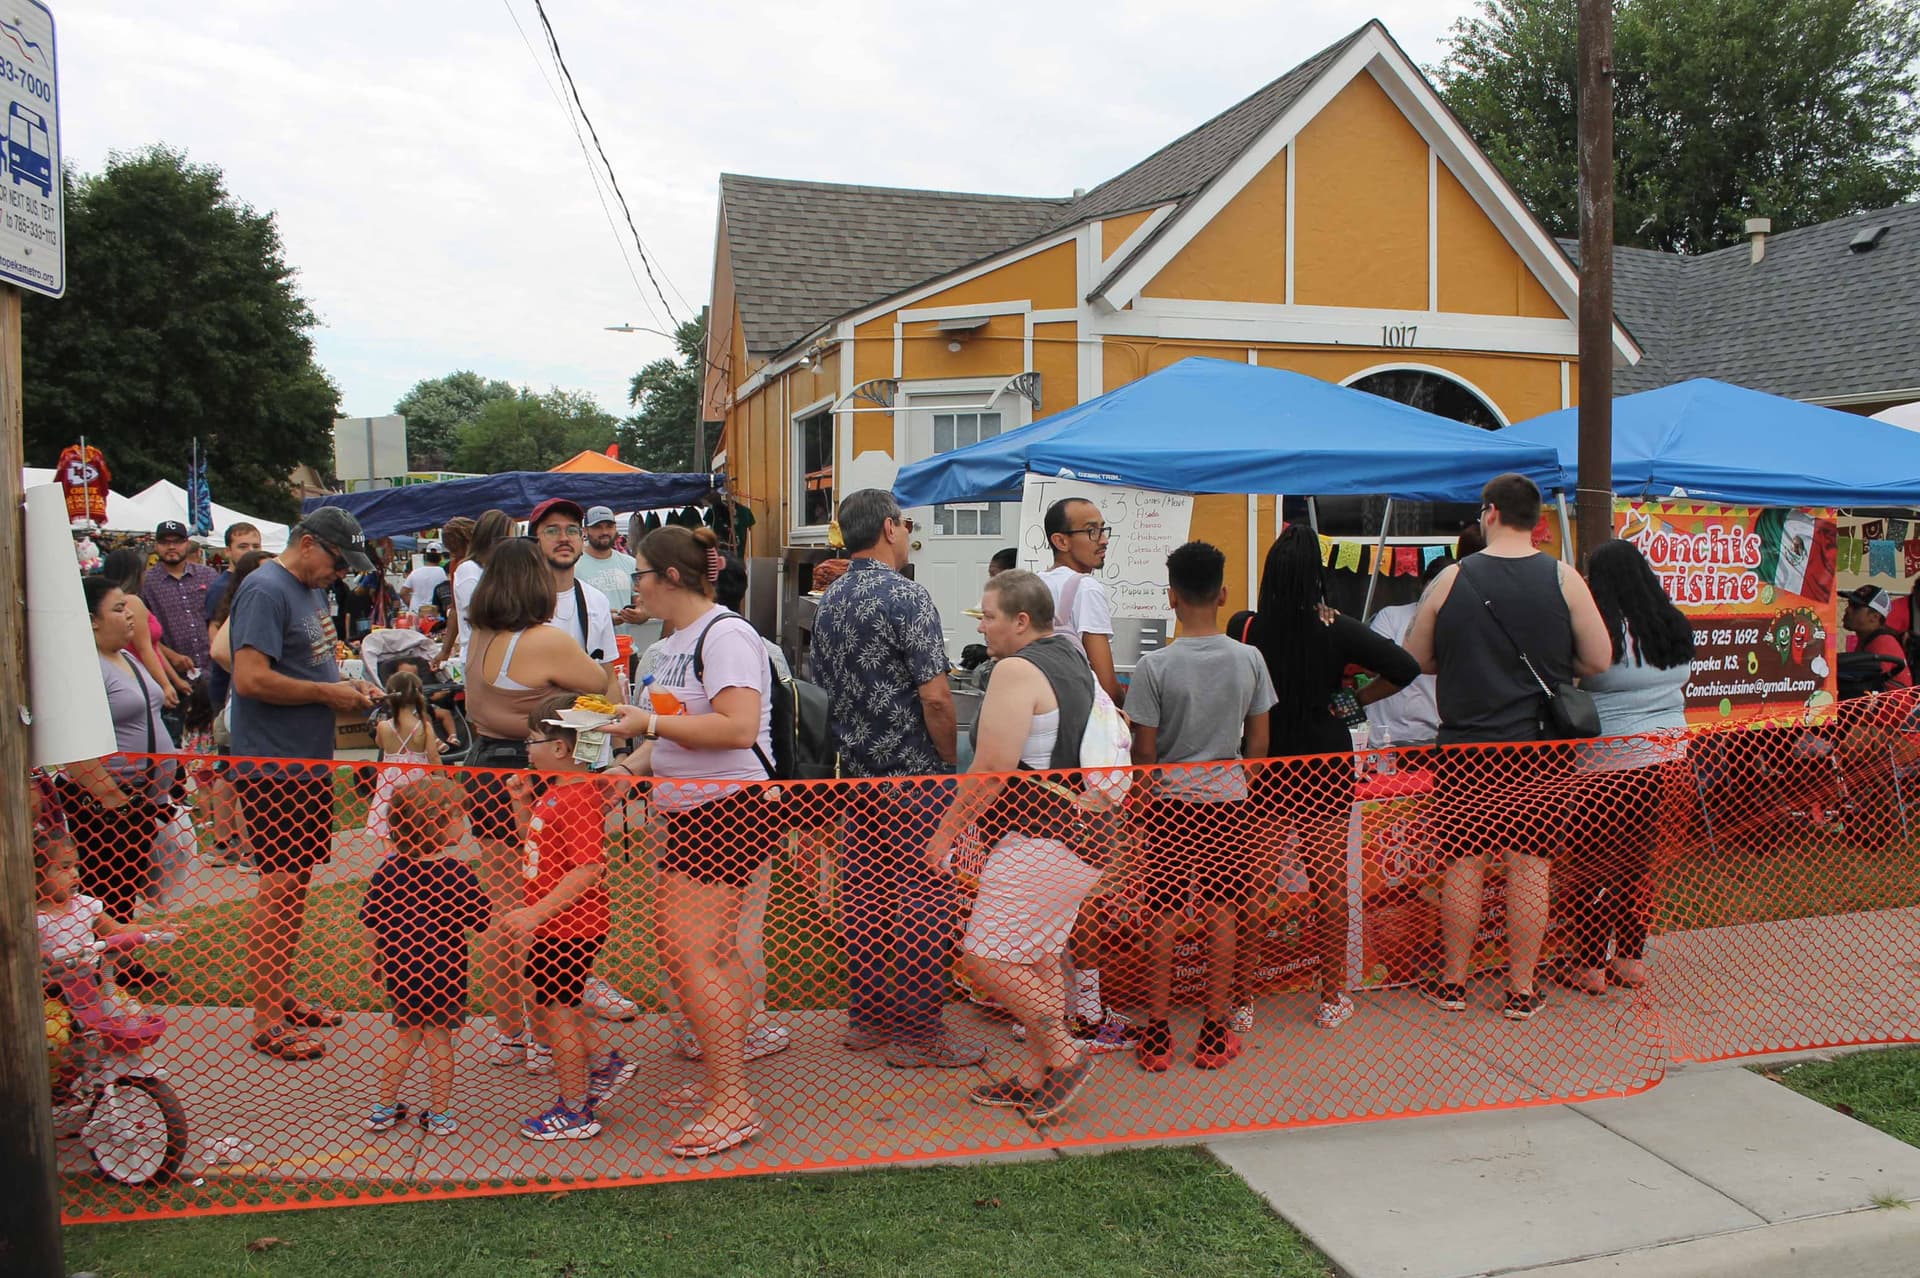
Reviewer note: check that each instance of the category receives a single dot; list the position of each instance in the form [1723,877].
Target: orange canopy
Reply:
[594,463]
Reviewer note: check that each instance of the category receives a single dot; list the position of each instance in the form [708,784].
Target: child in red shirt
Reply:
[566,918]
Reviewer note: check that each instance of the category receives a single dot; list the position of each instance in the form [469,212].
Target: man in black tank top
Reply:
[1474,622]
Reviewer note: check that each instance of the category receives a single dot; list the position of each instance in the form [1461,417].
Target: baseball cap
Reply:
[436,548]
[550,505]
[599,515]
[1871,597]
[340,530]
[170,528]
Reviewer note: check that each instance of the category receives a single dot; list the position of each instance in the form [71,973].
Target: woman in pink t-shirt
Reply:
[707,741]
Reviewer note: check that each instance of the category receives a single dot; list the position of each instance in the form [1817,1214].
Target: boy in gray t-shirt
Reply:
[1202,699]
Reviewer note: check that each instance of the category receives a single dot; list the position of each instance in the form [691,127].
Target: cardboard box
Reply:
[353,731]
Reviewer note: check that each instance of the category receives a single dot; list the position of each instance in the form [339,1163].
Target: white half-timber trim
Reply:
[1373,52]
[1266,323]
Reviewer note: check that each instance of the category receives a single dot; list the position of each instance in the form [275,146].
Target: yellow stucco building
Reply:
[1339,222]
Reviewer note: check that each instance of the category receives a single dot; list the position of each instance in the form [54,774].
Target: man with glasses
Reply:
[583,611]
[879,652]
[287,691]
[1083,616]
[1082,613]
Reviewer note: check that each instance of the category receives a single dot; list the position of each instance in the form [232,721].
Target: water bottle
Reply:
[1359,734]
[1383,760]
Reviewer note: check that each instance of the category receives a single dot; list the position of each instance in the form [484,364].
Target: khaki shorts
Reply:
[1030,895]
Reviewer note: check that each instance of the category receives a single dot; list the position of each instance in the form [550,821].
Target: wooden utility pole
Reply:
[29,1201]
[1593,486]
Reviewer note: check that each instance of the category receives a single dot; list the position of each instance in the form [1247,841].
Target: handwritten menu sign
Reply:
[1147,527]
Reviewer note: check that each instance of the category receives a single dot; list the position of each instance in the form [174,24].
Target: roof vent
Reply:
[1079,191]
[1758,227]
[1866,238]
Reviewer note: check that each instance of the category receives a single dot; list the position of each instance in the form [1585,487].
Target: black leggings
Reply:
[1605,897]
[114,850]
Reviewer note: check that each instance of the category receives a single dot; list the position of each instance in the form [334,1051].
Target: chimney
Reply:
[1079,191]
[1757,227]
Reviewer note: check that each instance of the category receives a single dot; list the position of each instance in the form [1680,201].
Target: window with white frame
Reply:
[957,430]
[813,501]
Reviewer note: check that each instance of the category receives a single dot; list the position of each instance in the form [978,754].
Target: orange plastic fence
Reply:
[846,997]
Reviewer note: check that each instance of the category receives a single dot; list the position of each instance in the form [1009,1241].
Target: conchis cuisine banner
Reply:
[1758,585]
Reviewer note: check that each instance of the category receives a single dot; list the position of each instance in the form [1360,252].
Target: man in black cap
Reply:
[175,592]
[286,692]
[1865,615]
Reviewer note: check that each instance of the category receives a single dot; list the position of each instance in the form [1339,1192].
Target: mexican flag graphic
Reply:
[1798,553]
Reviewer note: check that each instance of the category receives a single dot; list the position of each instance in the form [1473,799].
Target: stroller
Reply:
[104,1090]
[1860,674]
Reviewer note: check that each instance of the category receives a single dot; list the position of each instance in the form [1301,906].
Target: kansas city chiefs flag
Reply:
[1798,553]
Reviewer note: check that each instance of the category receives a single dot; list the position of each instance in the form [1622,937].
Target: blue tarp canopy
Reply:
[386,511]
[1716,442]
[1209,426]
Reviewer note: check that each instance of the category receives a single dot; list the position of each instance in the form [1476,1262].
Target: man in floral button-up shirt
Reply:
[879,653]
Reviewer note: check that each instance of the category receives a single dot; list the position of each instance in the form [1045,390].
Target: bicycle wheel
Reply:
[136,1132]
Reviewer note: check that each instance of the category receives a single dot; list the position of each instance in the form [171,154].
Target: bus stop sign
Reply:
[33,242]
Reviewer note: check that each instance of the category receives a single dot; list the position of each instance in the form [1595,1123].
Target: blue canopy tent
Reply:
[1210,426]
[386,511]
[1716,442]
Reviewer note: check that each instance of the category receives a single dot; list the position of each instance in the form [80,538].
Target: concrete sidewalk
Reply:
[1717,1171]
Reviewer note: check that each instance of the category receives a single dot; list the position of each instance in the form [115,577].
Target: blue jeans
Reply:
[898,911]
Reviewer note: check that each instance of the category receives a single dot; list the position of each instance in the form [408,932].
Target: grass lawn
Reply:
[1881,1089]
[1162,1211]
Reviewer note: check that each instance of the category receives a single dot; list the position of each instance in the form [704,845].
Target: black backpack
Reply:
[799,722]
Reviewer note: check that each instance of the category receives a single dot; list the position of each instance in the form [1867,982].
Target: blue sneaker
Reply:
[561,1123]
[609,1076]
[385,1116]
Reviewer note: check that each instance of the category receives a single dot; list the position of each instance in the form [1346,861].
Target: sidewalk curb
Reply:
[1870,1243]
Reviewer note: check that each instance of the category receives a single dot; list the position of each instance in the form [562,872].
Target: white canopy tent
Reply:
[124,514]
[166,496]
[1907,415]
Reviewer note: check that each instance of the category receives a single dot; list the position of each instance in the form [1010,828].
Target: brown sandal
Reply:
[312,1016]
[282,1043]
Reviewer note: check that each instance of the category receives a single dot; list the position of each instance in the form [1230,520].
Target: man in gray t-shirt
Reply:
[286,692]
[1202,699]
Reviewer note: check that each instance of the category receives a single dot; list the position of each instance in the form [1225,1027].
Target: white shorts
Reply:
[1030,895]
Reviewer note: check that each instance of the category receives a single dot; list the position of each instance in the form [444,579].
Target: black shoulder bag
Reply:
[1569,713]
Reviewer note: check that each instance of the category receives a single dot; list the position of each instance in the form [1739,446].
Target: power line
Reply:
[593,174]
[553,42]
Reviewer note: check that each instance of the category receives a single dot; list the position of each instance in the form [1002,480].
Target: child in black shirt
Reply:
[420,905]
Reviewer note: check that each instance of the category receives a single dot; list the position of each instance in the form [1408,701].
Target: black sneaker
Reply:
[1445,996]
[1007,1092]
[1059,1090]
[1521,1007]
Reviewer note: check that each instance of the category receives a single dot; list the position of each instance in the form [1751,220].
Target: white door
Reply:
[952,543]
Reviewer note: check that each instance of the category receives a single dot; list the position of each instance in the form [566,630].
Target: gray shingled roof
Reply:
[804,253]
[1812,319]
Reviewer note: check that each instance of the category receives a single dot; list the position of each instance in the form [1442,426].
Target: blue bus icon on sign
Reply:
[29,155]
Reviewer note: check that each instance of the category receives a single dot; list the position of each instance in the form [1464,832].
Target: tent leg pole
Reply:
[1379,549]
[1313,516]
[1566,531]
[1253,548]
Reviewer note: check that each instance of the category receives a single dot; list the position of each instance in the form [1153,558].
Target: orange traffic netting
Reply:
[769,977]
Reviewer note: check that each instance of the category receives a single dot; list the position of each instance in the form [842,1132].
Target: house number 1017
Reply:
[1399,334]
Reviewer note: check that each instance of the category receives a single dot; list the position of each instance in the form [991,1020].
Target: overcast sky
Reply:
[433,197]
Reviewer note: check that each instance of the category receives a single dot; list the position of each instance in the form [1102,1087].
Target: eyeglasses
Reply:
[906,524]
[541,740]
[1094,532]
[340,564]
[643,572]
[554,532]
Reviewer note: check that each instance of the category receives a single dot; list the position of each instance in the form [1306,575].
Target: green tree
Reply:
[532,432]
[437,407]
[181,320]
[665,396]
[1797,110]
